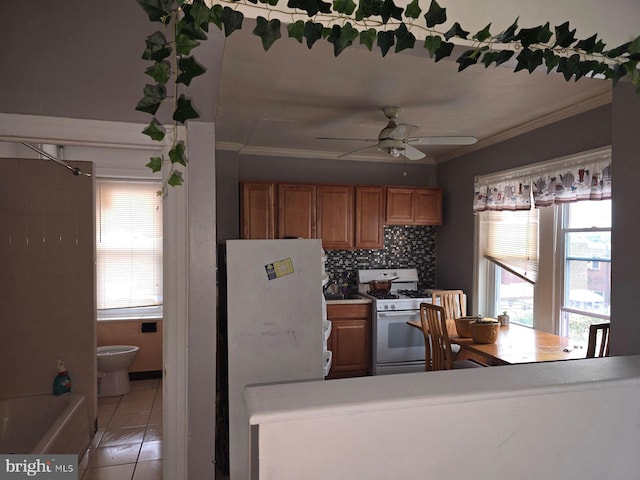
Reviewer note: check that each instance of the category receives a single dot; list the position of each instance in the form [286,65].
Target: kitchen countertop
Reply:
[350,301]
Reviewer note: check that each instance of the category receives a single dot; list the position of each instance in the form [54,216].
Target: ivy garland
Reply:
[371,22]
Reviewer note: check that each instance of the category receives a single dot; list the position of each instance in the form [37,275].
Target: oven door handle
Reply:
[404,313]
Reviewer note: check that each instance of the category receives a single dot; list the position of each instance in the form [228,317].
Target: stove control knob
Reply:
[393,307]
[386,307]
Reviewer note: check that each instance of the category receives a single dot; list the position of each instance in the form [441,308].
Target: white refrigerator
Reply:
[274,325]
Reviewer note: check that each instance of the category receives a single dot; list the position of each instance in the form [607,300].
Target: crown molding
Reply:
[604,98]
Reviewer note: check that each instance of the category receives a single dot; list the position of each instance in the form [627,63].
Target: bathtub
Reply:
[40,424]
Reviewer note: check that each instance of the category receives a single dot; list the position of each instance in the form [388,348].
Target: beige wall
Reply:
[47,277]
[129,332]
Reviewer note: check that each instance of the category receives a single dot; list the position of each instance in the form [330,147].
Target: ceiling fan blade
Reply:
[358,150]
[442,140]
[412,153]
[349,139]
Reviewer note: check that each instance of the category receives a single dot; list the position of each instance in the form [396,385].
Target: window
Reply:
[567,286]
[128,249]
[586,242]
[511,255]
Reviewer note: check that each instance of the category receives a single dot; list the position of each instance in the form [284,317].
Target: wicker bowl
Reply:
[463,326]
[485,330]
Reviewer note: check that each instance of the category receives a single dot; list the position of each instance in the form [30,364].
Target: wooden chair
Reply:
[454,302]
[438,351]
[603,351]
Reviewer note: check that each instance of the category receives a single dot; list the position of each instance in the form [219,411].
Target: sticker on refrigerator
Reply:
[279,269]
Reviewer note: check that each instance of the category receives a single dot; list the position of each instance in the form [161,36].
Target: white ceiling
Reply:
[279,102]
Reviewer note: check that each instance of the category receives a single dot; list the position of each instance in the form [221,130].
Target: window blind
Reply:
[512,241]
[128,244]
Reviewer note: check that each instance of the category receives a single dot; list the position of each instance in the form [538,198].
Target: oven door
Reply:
[396,341]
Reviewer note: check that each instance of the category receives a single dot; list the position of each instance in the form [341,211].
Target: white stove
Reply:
[397,347]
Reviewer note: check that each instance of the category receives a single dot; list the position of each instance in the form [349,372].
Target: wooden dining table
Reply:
[516,344]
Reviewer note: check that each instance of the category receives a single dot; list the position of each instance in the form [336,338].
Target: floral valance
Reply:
[584,176]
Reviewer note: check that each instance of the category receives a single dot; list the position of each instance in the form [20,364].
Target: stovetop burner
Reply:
[412,293]
[382,296]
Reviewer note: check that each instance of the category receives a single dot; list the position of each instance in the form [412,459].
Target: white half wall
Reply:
[572,420]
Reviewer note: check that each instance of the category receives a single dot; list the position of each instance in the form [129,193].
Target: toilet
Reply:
[113,369]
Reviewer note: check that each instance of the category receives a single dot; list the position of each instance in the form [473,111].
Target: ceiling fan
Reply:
[395,139]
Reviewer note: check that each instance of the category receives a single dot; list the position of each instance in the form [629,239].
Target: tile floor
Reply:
[128,443]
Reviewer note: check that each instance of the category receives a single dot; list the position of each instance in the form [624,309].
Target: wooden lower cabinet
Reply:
[350,340]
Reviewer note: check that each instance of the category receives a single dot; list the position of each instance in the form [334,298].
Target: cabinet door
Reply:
[334,216]
[428,206]
[400,206]
[370,203]
[296,210]
[351,347]
[258,210]
[350,340]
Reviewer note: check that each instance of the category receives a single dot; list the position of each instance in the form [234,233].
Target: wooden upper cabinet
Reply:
[296,210]
[428,206]
[399,206]
[334,216]
[414,206]
[370,203]
[258,210]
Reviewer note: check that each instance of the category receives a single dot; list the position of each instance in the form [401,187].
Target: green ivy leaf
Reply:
[432,43]
[157,10]
[157,48]
[296,30]
[312,7]
[405,39]
[551,60]
[498,57]
[184,44]
[618,51]
[160,72]
[232,20]
[268,31]
[634,47]
[154,130]
[365,9]
[197,13]
[313,32]
[155,164]
[175,179]
[569,66]
[483,34]
[177,154]
[528,60]
[509,34]
[342,37]
[564,36]
[444,50]
[588,45]
[346,7]
[413,10]
[367,37]
[184,110]
[436,15]
[385,41]
[390,10]
[186,27]
[456,31]
[189,68]
[215,15]
[153,97]
[530,36]
[468,58]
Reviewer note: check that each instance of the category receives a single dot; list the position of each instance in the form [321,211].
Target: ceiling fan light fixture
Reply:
[394,152]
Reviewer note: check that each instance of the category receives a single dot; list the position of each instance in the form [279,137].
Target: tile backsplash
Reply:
[404,247]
